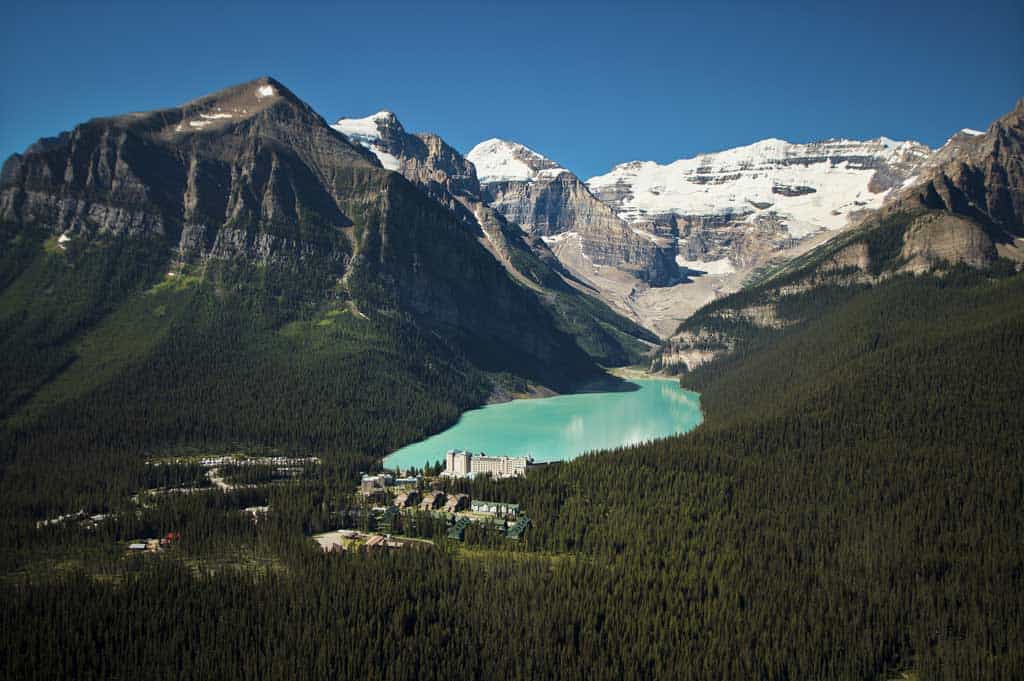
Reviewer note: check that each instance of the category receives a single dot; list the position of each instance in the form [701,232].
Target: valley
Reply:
[782,383]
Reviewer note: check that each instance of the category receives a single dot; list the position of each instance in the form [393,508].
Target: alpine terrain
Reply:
[217,319]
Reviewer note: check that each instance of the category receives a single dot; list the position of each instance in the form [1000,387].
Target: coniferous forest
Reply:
[850,509]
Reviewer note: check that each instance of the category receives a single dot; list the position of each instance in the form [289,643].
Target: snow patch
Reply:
[721,266]
[972,132]
[732,183]
[215,116]
[387,160]
[498,160]
[199,124]
[362,129]
[558,238]
[265,91]
[366,132]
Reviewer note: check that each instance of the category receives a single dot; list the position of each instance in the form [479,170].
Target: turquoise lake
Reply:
[562,427]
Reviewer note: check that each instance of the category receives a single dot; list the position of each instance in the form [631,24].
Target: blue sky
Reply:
[588,84]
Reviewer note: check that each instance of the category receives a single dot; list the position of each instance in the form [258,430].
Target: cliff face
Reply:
[962,208]
[451,181]
[252,174]
[977,175]
[548,201]
[252,160]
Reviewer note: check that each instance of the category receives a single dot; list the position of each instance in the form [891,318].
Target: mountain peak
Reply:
[369,129]
[499,160]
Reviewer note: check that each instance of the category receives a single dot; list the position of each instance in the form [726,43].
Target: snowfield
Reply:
[809,186]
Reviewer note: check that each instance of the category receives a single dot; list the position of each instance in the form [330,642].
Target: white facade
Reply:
[459,464]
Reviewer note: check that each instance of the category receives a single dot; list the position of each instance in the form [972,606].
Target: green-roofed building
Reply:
[515,532]
[458,530]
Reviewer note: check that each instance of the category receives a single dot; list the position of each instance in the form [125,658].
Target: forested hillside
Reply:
[232,277]
[233,271]
[849,510]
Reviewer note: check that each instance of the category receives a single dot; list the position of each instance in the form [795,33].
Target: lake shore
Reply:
[562,427]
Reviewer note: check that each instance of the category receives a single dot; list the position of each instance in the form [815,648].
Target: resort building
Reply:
[498,509]
[372,483]
[461,464]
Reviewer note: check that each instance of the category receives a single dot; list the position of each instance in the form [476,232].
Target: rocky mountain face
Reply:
[961,207]
[451,180]
[659,241]
[549,201]
[733,211]
[252,174]
[246,171]
[977,175]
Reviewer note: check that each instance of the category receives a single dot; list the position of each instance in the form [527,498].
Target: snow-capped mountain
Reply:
[805,187]
[444,175]
[423,158]
[717,216]
[550,202]
[498,160]
[369,132]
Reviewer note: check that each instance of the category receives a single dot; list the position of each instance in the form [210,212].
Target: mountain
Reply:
[976,174]
[598,247]
[659,241]
[451,180]
[961,209]
[158,264]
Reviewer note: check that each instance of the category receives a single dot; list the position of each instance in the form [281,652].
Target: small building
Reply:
[456,503]
[386,519]
[256,513]
[458,530]
[377,540]
[376,496]
[371,483]
[407,499]
[515,532]
[499,509]
[432,501]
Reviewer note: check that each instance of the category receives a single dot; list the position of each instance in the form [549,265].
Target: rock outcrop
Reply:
[976,175]
[251,173]
[451,180]
[549,201]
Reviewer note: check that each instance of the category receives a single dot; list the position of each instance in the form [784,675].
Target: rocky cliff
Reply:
[250,170]
[962,207]
[549,201]
[252,174]
[451,180]
[976,174]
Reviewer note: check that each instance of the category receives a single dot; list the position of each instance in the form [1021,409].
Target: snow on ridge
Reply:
[972,132]
[363,128]
[557,238]
[366,132]
[498,160]
[806,186]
